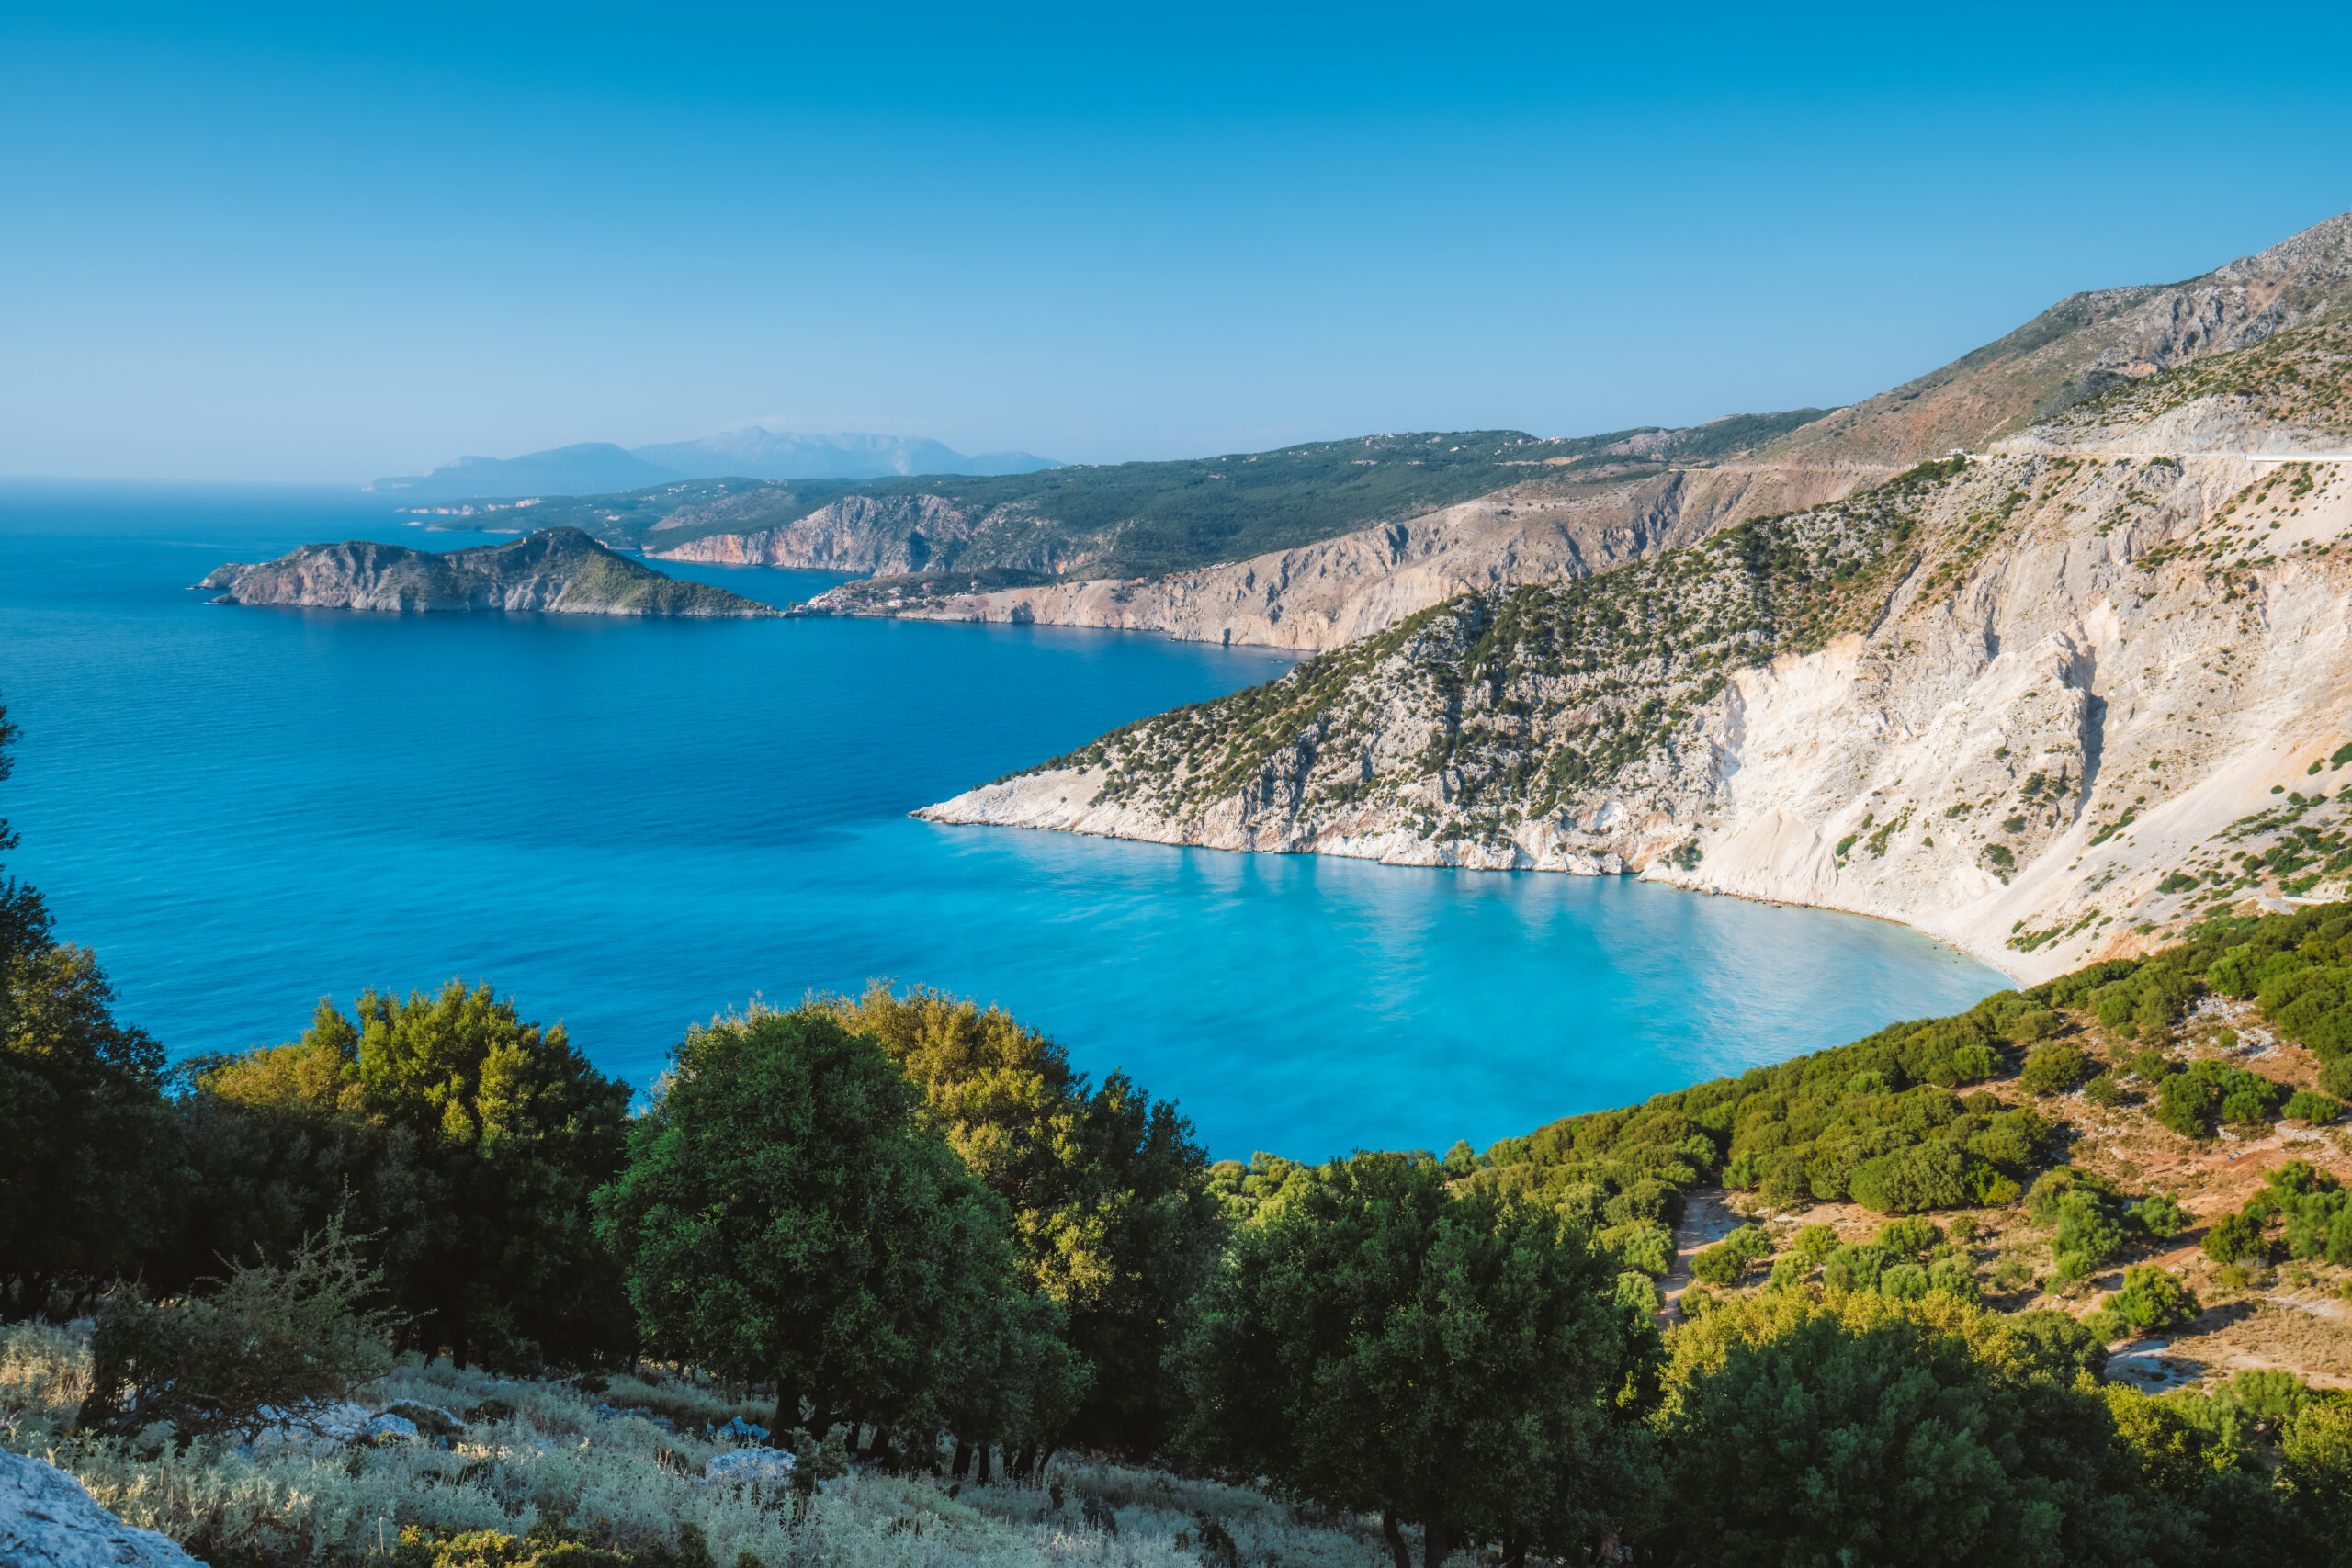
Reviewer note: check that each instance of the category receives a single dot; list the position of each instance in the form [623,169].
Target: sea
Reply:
[634,826]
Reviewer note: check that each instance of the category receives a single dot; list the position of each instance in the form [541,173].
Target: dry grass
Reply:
[625,1481]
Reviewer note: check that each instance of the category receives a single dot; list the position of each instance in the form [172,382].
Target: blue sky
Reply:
[331,243]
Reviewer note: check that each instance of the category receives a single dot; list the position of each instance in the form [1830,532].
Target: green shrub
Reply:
[1815,1242]
[2316,1108]
[1953,1276]
[2153,1298]
[2162,1216]
[2106,1089]
[1911,1237]
[2234,1238]
[1642,1245]
[2150,1066]
[269,1335]
[1729,1259]
[1855,1267]
[1925,1175]
[1974,1063]
[1903,1283]
[2335,1078]
[2054,1069]
[2037,1024]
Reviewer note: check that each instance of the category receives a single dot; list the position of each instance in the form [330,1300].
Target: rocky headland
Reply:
[1576,508]
[2048,700]
[561,571]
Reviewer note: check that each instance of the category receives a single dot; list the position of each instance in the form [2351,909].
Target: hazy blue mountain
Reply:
[597,467]
[584,469]
[756,452]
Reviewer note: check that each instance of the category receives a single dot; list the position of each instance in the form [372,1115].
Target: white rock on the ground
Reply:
[749,1465]
[47,1520]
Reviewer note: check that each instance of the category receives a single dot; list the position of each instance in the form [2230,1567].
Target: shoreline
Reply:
[2005,969]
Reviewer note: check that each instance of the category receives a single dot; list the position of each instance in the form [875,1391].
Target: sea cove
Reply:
[632,825]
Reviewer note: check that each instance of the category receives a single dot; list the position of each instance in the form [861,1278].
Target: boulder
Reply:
[47,1520]
[757,1466]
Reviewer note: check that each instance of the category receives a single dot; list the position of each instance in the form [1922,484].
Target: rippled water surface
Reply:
[633,823]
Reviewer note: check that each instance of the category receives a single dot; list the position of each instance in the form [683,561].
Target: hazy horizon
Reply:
[261,245]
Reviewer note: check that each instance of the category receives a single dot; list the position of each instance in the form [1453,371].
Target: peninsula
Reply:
[2055,698]
[561,571]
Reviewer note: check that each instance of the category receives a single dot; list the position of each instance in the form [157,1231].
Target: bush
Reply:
[1973,1063]
[2152,1298]
[1953,1276]
[2233,1238]
[2316,1108]
[2162,1216]
[1925,1175]
[2106,1089]
[1855,1267]
[2150,1066]
[2335,1078]
[269,1335]
[1649,1247]
[1903,1283]
[1728,1261]
[1911,1237]
[2054,1069]
[2037,1024]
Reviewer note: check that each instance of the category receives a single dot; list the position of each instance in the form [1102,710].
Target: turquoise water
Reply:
[632,825]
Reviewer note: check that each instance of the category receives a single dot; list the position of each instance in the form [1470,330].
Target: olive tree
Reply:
[788,1211]
[1375,1343]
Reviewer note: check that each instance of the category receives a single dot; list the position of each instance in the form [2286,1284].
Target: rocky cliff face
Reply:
[2044,702]
[559,570]
[1321,595]
[1579,517]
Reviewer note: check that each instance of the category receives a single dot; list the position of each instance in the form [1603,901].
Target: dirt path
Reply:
[1706,1220]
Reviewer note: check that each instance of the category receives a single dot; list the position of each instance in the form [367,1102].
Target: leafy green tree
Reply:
[1375,1344]
[2234,1237]
[1108,1192]
[789,1210]
[2162,1217]
[82,1125]
[1858,1430]
[2153,1298]
[24,918]
[470,1138]
[2054,1069]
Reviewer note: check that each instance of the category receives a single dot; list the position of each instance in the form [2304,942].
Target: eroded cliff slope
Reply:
[2040,701]
[559,570]
[1633,496]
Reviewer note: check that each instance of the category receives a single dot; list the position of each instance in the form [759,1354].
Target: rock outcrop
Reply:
[2044,702]
[47,1520]
[558,569]
[1321,595]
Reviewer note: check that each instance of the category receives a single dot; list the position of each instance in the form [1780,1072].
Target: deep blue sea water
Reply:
[633,823]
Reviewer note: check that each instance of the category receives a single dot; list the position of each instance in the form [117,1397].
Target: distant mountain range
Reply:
[595,467]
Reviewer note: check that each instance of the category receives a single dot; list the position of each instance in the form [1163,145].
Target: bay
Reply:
[633,825]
